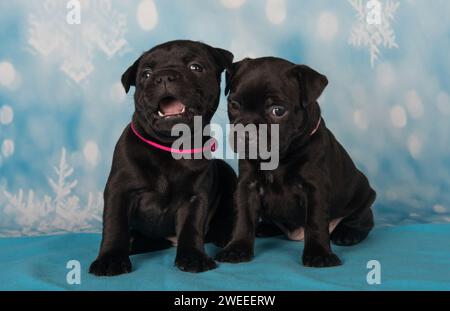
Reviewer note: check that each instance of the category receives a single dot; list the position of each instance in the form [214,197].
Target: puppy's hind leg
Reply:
[356,227]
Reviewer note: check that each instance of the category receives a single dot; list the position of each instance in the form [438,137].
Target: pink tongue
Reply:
[171,107]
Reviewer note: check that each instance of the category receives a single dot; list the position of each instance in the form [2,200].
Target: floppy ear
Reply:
[231,70]
[311,83]
[223,58]
[129,77]
[228,74]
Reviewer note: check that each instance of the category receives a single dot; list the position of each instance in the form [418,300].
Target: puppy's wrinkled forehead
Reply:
[176,54]
[264,77]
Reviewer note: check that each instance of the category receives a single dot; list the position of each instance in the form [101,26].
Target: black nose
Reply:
[166,76]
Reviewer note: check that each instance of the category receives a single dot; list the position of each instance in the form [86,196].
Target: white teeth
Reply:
[163,115]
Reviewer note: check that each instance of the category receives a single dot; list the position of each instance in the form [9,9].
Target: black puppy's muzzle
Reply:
[166,77]
[244,136]
[167,96]
[251,134]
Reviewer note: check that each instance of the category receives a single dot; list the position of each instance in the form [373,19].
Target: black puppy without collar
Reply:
[316,187]
[151,198]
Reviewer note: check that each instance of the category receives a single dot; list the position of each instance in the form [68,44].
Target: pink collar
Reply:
[211,146]
[317,127]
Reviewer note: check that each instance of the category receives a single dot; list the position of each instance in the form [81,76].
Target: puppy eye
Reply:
[278,111]
[196,67]
[147,73]
[235,105]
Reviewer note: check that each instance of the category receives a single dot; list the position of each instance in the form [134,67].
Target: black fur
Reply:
[149,195]
[316,180]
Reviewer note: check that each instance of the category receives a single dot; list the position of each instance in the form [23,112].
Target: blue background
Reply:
[391,113]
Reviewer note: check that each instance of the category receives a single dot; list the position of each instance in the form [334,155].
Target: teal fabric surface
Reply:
[413,257]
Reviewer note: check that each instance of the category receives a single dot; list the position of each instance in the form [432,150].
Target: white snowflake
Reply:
[373,36]
[57,213]
[101,29]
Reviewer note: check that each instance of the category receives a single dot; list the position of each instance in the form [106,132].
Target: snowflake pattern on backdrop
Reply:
[7,144]
[73,46]
[53,214]
[373,36]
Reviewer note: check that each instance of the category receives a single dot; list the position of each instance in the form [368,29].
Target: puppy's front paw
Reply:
[240,251]
[321,261]
[111,265]
[194,261]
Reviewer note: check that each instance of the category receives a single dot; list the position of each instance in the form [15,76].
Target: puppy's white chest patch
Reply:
[299,233]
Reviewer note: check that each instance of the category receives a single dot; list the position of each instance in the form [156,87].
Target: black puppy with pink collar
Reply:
[152,199]
[316,194]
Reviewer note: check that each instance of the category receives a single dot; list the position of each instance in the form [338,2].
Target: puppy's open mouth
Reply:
[170,107]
